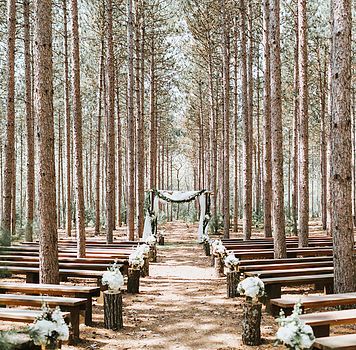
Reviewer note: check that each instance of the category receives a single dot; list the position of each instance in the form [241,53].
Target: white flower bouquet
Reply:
[231,262]
[49,328]
[144,249]
[218,248]
[252,287]
[293,332]
[205,238]
[151,240]
[136,259]
[113,279]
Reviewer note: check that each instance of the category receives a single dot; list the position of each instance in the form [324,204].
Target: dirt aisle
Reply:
[181,305]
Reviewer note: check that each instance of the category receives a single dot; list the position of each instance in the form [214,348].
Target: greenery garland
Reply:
[163,197]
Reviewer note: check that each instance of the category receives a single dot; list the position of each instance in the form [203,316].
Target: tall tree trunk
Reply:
[10,125]
[119,159]
[153,130]
[340,143]
[267,176]
[43,87]
[30,186]
[110,167]
[303,215]
[98,142]
[130,129]
[247,220]
[280,250]
[78,143]
[68,124]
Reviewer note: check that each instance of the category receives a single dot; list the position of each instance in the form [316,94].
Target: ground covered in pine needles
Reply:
[181,305]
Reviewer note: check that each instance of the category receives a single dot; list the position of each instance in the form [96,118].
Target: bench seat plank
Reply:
[339,342]
[26,316]
[330,317]
[291,272]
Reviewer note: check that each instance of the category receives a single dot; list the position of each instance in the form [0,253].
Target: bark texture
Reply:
[113,311]
[232,280]
[133,281]
[43,99]
[251,323]
[280,250]
[340,145]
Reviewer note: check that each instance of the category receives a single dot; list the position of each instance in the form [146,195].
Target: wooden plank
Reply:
[339,342]
[286,266]
[21,315]
[290,272]
[297,280]
[330,317]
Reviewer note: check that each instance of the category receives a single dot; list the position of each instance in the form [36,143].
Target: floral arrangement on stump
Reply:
[205,241]
[219,253]
[113,279]
[151,240]
[293,332]
[231,262]
[253,289]
[136,258]
[49,329]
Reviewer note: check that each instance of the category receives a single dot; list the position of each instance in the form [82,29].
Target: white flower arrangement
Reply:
[204,238]
[113,279]
[151,240]
[49,327]
[252,288]
[144,249]
[218,248]
[293,332]
[136,259]
[231,262]
[207,217]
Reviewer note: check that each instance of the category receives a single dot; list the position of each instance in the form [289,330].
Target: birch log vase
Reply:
[133,281]
[113,310]
[145,271]
[153,253]
[251,323]
[232,280]
[219,266]
[206,247]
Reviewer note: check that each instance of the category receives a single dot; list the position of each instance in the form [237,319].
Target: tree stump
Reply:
[219,266]
[232,280]
[113,310]
[206,247]
[145,271]
[212,260]
[251,323]
[133,281]
[153,253]
[161,240]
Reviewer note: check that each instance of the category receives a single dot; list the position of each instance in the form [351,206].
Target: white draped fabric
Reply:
[177,196]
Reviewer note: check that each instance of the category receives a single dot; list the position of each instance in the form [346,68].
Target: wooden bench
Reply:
[283,261]
[338,342]
[291,272]
[72,305]
[273,285]
[56,290]
[321,321]
[285,266]
[25,316]
[311,301]
[32,273]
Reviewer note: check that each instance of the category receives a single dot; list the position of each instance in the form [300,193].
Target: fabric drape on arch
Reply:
[156,196]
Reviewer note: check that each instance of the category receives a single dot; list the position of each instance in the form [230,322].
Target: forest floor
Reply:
[181,306]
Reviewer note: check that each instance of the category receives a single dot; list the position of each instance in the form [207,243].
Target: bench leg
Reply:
[88,311]
[273,291]
[329,289]
[74,320]
[321,331]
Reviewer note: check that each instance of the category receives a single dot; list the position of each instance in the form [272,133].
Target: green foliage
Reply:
[216,223]
[257,219]
[89,217]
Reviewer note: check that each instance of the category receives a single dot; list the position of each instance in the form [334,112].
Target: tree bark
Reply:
[251,324]
[43,87]
[30,187]
[133,281]
[303,215]
[110,167]
[10,125]
[232,280]
[280,250]
[340,144]
[113,310]
[78,143]
[267,176]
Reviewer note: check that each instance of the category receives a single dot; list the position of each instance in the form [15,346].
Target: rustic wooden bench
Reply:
[338,342]
[321,321]
[32,273]
[57,290]
[290,272]
[311,301]
[283,261]
[274,285]
[25,316]
[285,266]
[72,305]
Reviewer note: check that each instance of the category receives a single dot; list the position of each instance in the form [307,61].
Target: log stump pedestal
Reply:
[219,266]
[251,323]
[206,247]
[133,281]
[113,310]
[232,280]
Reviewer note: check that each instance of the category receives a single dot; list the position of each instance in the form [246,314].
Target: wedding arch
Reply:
[155,196]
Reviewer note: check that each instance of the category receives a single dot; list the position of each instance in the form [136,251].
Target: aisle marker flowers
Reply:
[231,262]
[252,287]
[293,332]
[151,240]
[113,279]
[49,328]
[136,258]
[218,248]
